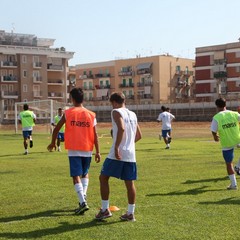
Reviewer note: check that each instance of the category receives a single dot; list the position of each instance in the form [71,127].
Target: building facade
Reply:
[30,70]
[217,72]
[143,80]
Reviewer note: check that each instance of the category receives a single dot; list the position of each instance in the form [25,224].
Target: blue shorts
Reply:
[166,132]
[27,134]
[119,169]
[228,155]
[79,166]
[60,136]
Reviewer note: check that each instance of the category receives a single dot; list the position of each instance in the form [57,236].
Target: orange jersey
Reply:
[79,129]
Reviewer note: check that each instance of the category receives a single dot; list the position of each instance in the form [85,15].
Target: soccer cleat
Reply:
[231,187]
[82,208]
[102,215]
[160,137]
[31,143]
[169,139]
[237,170]
[26,153]
[167,147]
[128,217]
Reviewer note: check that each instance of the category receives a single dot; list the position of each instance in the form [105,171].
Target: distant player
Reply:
[27,118]
[166,118]
[225,128]
[60,136]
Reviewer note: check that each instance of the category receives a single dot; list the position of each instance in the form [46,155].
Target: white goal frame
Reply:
[35,106]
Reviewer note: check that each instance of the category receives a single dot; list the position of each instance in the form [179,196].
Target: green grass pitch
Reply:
[181,192]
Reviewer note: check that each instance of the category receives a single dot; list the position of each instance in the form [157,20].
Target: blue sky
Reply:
[111,29]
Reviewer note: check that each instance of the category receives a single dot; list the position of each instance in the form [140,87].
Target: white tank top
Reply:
[127,146]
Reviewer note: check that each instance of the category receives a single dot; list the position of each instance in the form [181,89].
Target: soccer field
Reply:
[181,192]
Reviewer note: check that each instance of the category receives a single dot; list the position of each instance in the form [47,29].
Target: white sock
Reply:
[105,205]
[131,208]
[85,182]
[79,190]
[26,150]
[232,178]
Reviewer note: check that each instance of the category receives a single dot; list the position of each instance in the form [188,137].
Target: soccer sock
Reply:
[233,179]
[85,182]
[79,190]
[105,205]
[131,208]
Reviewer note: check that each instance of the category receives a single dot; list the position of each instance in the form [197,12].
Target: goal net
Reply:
[45,110]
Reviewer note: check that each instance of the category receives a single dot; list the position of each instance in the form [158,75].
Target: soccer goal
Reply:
[45,110]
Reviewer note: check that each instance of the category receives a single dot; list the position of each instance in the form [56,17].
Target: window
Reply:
[90,85]
[24,59]
[24,73]
[25,89]
[10,88]
[130,82]
[124,82]
[35,59]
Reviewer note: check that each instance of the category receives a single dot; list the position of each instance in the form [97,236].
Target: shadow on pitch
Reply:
[48,232]
[205,180]
[194,191]
[22,155]
[227,201]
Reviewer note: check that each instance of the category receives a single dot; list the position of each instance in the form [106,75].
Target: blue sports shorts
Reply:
[26,134]
[119,169]
[165,132]
[79,166]
[60,136]
[228,155]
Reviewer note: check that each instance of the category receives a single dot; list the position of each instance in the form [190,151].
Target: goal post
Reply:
[44,110]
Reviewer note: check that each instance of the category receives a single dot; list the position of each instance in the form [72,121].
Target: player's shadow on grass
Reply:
[194,191]
[227,201]
[49,213]
[205,180]
[54,231]
[21,154]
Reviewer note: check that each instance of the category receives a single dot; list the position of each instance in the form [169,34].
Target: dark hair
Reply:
[220,102]
[59,109]
[77,95]
[25,107]
[117,97]
[164,109]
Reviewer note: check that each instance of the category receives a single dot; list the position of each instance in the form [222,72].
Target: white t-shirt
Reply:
[127,146]
[166,118]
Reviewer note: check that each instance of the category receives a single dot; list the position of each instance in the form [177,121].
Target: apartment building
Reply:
[217,72]
[143,80]
[31,70]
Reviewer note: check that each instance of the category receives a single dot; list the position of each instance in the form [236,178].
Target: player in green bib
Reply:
[27,118]
[60,136]
[225,128]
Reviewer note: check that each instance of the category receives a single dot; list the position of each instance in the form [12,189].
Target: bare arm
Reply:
[138,134]
[55,133]
[120,126]
[215,136]
[96,144]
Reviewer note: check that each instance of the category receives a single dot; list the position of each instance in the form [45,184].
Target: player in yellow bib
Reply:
[27,118]
[225,128]
[60,136]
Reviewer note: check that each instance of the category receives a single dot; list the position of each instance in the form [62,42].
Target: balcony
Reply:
[55,95]
[88,88]
[37,79]
[122,85]
[52,67]
[9,94]
[143,84]
[9,79]
[145,96]
[37,94]
[126,73]
[37,65]
[107,86]
[221,74]
[103,98]
[101,75]
[9,64]
[55,82]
